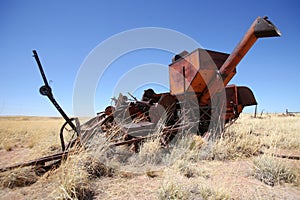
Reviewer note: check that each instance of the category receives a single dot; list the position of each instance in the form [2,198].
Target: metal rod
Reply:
[47,91]
[57,156]
[183,73]
[35,55]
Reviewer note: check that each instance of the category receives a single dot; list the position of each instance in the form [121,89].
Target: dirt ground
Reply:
[26,138]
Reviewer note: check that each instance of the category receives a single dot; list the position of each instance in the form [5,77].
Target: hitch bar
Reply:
[46,90]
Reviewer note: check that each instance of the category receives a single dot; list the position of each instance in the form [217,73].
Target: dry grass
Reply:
[150,152]
[274,131]
[19,177]
[77,175]
[74,182]
[191,169]
[40,134]
[210,193]
[176,187]
[237,144]
[252,137]
[173,190]
[272,171]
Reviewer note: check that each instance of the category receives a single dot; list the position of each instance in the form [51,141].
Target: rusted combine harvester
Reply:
[199,99]
[197,80]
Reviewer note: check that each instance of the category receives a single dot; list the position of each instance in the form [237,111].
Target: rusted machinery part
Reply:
[54,159]
[47,91]
[109,110]
[88,132]
[165,109]
[151,97]
[237,97]
[286,156]
[164,134]
[61,134]
[260,28]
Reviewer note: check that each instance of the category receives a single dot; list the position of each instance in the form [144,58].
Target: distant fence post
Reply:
[255,111]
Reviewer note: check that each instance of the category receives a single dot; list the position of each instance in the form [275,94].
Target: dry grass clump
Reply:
[19,177]
[8,146]
[182,190]
[77,175]
[183,158]
[186,169]
[197,142]
[172,190]
[272,171]
[209,193]
[182,148]
[231,146]
[150,152]
[74,182]
[190,169]
[95,168]
[237,144]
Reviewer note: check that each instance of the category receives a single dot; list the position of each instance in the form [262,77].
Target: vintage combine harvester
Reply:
[200,100]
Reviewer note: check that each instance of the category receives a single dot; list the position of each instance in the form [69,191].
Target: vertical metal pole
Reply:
[47,91]
[183,73]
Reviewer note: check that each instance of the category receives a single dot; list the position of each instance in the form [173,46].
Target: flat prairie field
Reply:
[255,158]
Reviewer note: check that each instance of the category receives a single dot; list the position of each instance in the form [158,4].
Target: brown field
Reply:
[246,163]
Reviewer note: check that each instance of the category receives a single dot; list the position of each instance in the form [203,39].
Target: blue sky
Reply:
[65,32]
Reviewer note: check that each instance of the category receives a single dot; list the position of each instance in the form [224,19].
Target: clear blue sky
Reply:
[64,32]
